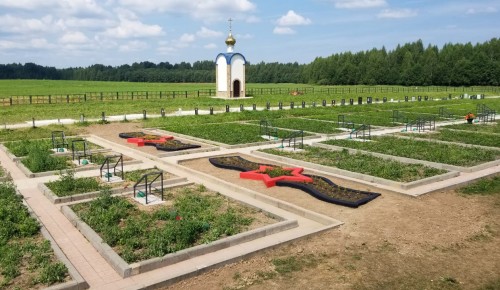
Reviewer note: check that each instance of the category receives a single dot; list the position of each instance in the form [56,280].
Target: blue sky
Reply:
[64,33]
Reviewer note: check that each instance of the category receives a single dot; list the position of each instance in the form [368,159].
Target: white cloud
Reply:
[207,33]
[7,45]
[72,7]
[130,27]
[202,9]
[489,9]
[13,24]
[74,37]
[292,18]
[187,38]
[397,13]
[359,3]
[36,43]
[210,46]
[252,19]
[81,23]
[133,46]
[28,4]
[283,30]
[81,7]
[243,36]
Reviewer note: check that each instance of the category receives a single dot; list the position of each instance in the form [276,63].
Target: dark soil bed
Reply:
[321,188]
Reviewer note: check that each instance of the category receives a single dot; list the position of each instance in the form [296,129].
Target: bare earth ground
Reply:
[443,240]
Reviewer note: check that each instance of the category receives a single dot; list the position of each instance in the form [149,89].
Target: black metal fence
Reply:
[158,95]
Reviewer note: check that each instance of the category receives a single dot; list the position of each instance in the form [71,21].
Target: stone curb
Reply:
[189,151]
[30,174]
[126,270]
[77,283]
[118,264]
[88,195]
[170,259]
[444,166]
[360,176]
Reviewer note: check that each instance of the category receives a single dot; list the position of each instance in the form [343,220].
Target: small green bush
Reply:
[40,160]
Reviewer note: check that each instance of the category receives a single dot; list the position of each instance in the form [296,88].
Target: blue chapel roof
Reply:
[229,56]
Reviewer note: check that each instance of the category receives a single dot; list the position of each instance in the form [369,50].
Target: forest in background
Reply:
[410,64]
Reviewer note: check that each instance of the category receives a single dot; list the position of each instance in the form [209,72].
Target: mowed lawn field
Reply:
[313,95]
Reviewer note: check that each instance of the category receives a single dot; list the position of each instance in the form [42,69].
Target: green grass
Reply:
[477,127]
[36,133]
[27,260]
[380,118]
[361,163]
[196,216]
[68,185]
[23,147]
[466,137]
[41,160]
[422,150]
[227,133]
[305,125]
[484,186]
[93,109]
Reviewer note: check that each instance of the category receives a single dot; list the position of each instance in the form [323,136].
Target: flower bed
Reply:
[319,187]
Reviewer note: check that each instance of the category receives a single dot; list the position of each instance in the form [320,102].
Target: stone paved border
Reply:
[77,282]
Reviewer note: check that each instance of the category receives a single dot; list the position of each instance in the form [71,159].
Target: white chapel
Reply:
[230,70]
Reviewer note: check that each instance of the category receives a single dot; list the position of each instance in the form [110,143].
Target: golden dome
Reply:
[230,39]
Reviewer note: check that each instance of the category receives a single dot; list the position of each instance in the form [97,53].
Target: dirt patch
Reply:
[442,240]
[111,131]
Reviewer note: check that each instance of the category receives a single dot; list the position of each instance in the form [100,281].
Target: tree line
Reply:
[410,64]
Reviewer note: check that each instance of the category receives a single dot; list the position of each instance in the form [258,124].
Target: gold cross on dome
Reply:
[230,24]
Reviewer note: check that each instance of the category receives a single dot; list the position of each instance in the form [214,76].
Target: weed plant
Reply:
[26,259]
[466,137]
[41,160]
[305,125]
[68,185]
[477,127]
[35,133]
[195,217]
[227,133]
[484,186]
[361,163]
[422,150]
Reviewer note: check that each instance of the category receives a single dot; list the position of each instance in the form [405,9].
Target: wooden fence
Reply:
[158,95]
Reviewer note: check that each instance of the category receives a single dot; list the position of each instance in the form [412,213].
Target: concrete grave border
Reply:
[355,175]
[171,182]
[126,270]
